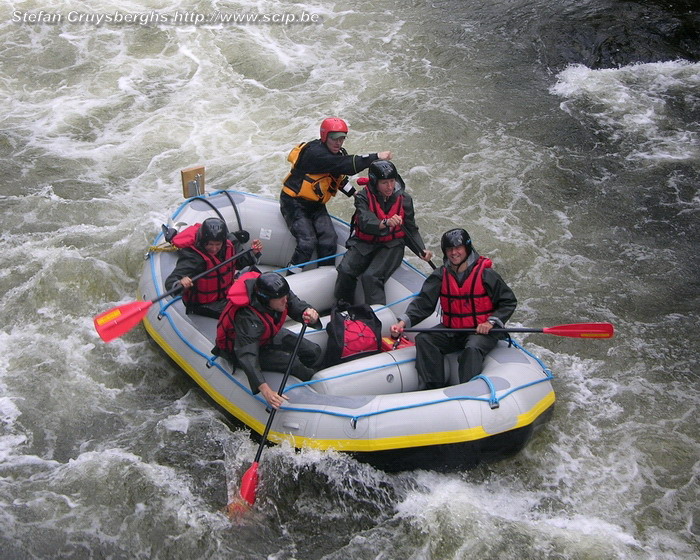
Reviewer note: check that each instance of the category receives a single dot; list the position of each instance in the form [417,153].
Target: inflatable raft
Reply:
[372,407]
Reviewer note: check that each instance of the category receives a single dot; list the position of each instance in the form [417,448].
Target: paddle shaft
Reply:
[472,330]
[413,246]
[576,330]
[280,391]
[175,289]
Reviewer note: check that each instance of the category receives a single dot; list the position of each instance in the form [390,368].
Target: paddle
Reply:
[121,319]
[413,246]
[249,482]
[576,330]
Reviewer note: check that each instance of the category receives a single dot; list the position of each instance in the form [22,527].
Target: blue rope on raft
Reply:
[301,265]
[164,307]
[492,400]
[348,373]
[388,305]
[546,370]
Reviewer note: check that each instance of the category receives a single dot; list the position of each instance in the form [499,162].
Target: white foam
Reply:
[633,103]
[481,515]
[178,423]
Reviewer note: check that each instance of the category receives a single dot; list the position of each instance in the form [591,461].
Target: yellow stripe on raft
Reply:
[359,445]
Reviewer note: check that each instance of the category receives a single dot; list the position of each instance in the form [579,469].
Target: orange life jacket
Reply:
[238,297]
[317,187]
[468,304]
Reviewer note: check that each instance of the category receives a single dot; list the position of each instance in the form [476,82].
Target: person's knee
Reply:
[327,234]
[308,362]
[327,239]
[303,372]
[305,245]
[473,350]
[470,357]
[345,281]
[327,248]
[311,354]
[424,339]
[480,344]
[306,242]
[344,269]
[316,356]
[373,290]
[371,281]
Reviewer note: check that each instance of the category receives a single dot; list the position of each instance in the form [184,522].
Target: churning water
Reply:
[562,135]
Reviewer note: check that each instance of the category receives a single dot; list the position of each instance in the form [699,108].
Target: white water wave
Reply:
[640,104]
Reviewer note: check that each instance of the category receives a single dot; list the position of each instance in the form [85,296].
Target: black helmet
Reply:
[270,285]
[455,238]
[381,169]
[212,229]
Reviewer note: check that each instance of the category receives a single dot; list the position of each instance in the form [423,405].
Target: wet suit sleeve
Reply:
[296,308]
[249,329]
[189,264]
[504,300]
[426,301]
[249,259]
[319,159]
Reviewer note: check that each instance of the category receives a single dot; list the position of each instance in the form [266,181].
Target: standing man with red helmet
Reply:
[319,170]
[472,296]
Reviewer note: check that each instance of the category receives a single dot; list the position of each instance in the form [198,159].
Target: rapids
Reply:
[562,135]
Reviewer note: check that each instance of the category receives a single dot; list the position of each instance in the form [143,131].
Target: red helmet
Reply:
[332,124]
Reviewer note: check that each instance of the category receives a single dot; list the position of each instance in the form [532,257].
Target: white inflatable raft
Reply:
[371,407]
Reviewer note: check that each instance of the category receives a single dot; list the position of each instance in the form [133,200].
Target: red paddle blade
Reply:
[249,484]
[118,320]
[237,508]
[582,330]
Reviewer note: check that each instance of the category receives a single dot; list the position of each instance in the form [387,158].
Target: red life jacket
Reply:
[376,208]
[187,237]
[466,305]
[238,297]
[213,286]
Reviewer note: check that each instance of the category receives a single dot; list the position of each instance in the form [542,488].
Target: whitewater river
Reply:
[562,134]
